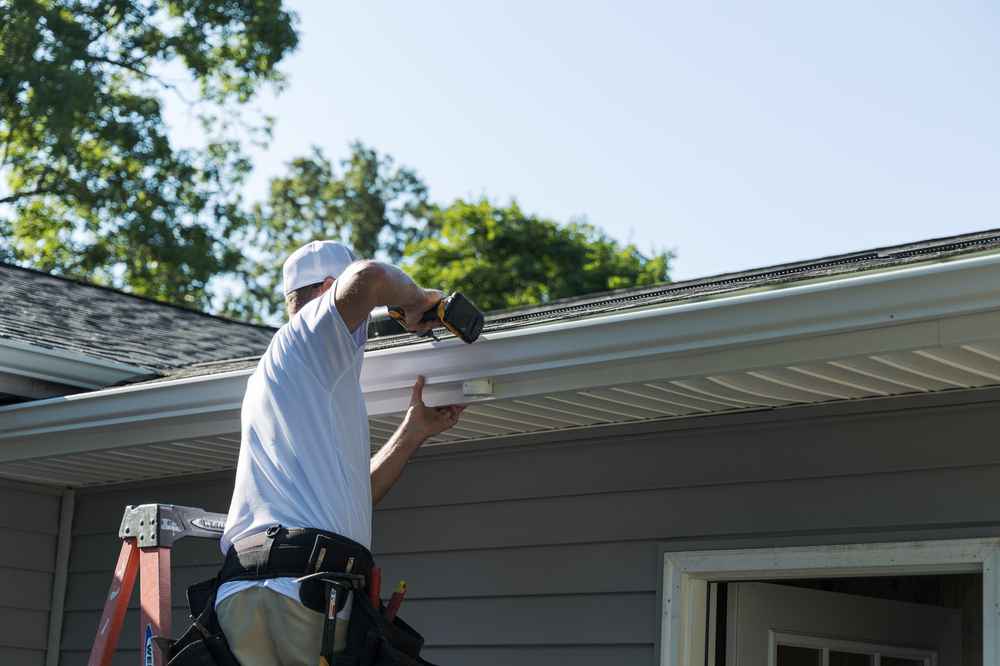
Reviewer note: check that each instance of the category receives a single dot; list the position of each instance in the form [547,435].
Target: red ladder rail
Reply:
[115,605]
[148,532]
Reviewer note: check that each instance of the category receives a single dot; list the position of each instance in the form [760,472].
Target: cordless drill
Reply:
[456,312]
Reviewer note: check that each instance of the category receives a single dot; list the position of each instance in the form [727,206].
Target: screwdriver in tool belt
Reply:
[375,587]
[396,601]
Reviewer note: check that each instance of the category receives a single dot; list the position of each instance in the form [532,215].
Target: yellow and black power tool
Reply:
[456,312]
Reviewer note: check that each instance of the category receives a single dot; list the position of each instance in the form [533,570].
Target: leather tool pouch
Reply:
[377,642]
[203,644]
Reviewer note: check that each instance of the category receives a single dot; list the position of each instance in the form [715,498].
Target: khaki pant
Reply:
[266,628]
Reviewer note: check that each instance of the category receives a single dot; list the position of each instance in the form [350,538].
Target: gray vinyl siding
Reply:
[546,548]
[29,521]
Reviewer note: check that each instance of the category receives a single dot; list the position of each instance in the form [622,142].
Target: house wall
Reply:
[29,523]
[547,548]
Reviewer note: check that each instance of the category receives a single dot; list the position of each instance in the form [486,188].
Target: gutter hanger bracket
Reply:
[478,388]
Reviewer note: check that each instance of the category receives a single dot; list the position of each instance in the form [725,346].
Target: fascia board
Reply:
[887,311]
[64,367]
[865,314]
[123,416]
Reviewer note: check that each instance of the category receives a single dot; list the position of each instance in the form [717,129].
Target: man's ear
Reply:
[327,283]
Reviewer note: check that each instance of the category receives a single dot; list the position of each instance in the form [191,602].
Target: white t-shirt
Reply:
[304,449]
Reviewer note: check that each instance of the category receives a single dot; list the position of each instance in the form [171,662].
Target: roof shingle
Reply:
[63,314]
[178,343]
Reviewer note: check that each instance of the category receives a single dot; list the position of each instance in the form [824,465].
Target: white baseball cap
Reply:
[314,262]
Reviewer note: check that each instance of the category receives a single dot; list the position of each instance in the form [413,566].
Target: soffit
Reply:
[849,378]
[928,330]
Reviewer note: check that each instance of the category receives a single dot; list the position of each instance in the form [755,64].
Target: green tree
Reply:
[90,185]
[501,257]
[368,203]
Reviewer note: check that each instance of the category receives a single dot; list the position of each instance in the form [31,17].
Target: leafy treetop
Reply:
[369,203]
[501,257]
[93,187]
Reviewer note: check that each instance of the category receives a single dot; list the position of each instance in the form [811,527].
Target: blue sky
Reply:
[739,134]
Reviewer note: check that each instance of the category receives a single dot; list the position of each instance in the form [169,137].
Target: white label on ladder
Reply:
[167,524]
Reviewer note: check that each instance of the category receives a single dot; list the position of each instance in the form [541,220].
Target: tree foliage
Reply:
[369,203]
[501,257]
[92,186]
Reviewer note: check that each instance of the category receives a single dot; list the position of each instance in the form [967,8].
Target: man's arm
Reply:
[420,423]
[365,285]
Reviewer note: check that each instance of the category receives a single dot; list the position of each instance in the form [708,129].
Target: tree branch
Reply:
[141,72]
[11,128]
[38,191]
[6,151]
[118,63]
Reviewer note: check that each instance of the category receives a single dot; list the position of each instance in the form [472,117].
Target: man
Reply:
[304,452]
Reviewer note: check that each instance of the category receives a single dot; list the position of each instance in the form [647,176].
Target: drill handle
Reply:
[397,313]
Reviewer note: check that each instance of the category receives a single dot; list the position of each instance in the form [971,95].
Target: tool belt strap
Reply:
[295,552]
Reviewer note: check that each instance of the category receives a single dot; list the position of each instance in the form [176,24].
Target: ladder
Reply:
[148,532]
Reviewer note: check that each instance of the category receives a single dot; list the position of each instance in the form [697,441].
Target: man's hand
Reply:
[415,311]
[424,422]
[420,423]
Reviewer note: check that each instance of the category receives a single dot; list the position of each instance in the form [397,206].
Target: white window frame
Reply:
[826,645]
[686,575]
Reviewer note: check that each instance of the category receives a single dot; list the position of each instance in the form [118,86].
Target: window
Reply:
[687,575]
[798,650]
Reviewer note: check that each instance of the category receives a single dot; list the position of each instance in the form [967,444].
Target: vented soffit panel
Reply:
[916,330]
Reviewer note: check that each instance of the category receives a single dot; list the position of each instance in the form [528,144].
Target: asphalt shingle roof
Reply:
[181,343]
[630,299]
[58,313]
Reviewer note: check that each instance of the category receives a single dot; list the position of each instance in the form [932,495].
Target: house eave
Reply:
[922,307]
[64,367]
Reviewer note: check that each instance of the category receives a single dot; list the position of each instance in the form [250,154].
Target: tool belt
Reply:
[282,552]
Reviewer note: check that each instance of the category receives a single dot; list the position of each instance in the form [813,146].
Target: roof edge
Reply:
[66,367]
[899,249]
[922,306]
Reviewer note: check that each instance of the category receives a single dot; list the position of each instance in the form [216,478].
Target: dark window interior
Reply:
[961,591]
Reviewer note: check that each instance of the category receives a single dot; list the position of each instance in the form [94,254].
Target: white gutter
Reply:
[60,366]
[923,307]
